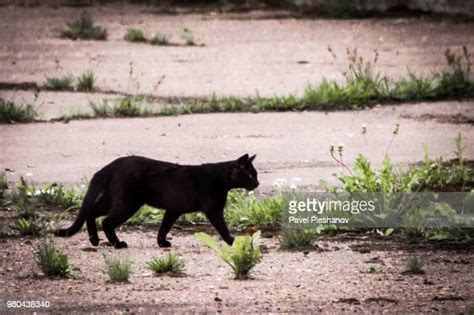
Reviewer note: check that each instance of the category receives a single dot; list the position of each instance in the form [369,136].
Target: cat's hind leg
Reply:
[168,220]
[92,230]
[100,209]
[119,213]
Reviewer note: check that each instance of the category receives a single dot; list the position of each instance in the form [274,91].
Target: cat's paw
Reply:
[164,243]
[94,241]
[120,245]
[230,240]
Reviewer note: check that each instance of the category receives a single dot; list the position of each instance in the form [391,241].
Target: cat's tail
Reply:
[94,193]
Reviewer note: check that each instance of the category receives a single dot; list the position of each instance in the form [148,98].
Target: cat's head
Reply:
[243,174]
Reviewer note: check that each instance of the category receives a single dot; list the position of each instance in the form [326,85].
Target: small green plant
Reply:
[242,256]
[188,36]
[297,237]
[134,35]
[146,216]
[53,263]
[56,195]
[414,265]
[86,81]
[100,109]
[3,186]
[63,83]
[84,28]
[243,209]
[456,81]
[118,268]
[11,113]
[127,107]
[160,39]
[414,87]
[31,225]
[170,264]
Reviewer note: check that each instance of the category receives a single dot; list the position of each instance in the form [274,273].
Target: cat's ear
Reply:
[243,159]
[252,158]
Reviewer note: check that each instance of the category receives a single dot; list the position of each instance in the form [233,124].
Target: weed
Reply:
[242,256]
[56,195]
[11,113]
[31,225]
[160,39]
[100,110]
[414,265]
[134,35]
[456,81]
[188,36]
[131,107]
[86,81]
[146,216]
[363,87]
[118,268]
[296,237]
[63,83]
[53,263]
[84,28]
[169,264]
[243,209]
[414,87]
[3,186]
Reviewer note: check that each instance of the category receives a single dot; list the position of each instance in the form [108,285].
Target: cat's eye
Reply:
[250,176]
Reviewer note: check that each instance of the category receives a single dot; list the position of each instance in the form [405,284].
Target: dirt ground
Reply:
[331,279]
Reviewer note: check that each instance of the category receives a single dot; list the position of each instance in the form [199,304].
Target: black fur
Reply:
[119,189]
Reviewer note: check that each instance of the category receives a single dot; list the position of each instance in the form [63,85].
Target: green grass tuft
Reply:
[53,263]
[11,113]
[160,39]
[63,83]
[86,81]
[134,35]
[170,264]
[118,268]
[130,107]
[414,265]
[84,28]
[3,186]
[298,237]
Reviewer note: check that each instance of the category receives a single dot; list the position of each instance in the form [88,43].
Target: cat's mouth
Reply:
[255,185]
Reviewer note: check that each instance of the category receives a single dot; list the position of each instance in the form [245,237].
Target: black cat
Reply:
[119,189]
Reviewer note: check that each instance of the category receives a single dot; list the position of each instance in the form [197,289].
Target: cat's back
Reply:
[140,165]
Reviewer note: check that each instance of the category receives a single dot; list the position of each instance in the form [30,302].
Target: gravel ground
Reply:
[330,279]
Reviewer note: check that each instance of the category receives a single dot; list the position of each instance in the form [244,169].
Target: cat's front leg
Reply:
[217,220]
[168,220]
